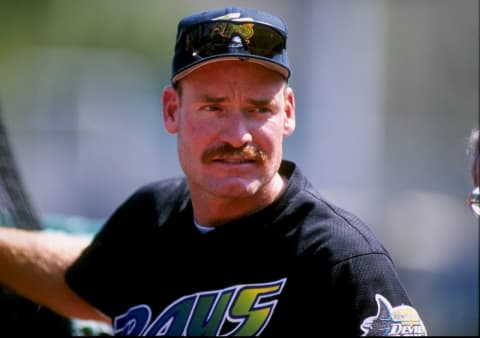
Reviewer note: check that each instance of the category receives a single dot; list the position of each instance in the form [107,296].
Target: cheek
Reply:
[276,129]
[270,136]
[199,128]
[193,135]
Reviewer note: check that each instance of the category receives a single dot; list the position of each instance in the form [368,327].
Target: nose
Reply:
[236,130]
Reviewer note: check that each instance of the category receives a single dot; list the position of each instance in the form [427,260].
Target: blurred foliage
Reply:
[20,21]
[139,26]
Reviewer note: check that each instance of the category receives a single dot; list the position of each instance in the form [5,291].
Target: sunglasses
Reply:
[473,200]
[223,38]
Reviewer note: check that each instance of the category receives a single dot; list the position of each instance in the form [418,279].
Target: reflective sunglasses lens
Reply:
[474,200]
[225,37]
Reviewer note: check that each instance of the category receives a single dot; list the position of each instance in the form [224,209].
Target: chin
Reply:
[237,187]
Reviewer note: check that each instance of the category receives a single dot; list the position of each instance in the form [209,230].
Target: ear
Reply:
[171,106]
[289,123]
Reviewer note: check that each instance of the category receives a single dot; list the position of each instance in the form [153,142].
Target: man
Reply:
[473,150]
[243,244]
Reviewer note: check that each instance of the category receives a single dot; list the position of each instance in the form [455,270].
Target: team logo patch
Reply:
[400,320]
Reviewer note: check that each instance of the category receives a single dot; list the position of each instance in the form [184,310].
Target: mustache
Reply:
[249,152]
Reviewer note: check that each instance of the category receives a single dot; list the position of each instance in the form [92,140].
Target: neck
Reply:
[210,210]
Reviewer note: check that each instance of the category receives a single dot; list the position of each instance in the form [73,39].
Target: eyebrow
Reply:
[210,98]
[261,101]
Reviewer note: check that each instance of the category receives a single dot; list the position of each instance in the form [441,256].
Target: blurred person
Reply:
[473,199]
[19,315]
[242,244]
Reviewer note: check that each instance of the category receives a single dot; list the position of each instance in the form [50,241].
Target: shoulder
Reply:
[153,202]
[326,229]
[160,192]
[166,186]
[339,233]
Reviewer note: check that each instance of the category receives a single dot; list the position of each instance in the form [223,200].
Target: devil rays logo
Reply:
[401,320]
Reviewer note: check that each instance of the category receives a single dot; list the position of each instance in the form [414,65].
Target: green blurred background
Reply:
[386,90]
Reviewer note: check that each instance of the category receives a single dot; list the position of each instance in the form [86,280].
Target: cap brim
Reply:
[267,64]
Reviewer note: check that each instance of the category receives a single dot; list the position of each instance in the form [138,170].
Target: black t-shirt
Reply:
[300,266]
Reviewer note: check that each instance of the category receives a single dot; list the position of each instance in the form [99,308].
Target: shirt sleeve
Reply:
[110,258]
[368,288]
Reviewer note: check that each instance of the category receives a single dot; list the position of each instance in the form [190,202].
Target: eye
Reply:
[261,110]
[211,108]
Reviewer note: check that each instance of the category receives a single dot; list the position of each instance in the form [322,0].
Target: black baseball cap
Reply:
[230,32]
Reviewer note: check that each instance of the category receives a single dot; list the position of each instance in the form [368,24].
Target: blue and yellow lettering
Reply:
[209,314]
[133,322]
[173,319]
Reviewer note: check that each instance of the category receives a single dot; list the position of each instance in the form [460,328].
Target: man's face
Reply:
[474,196]
[230,121]
[476,171]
